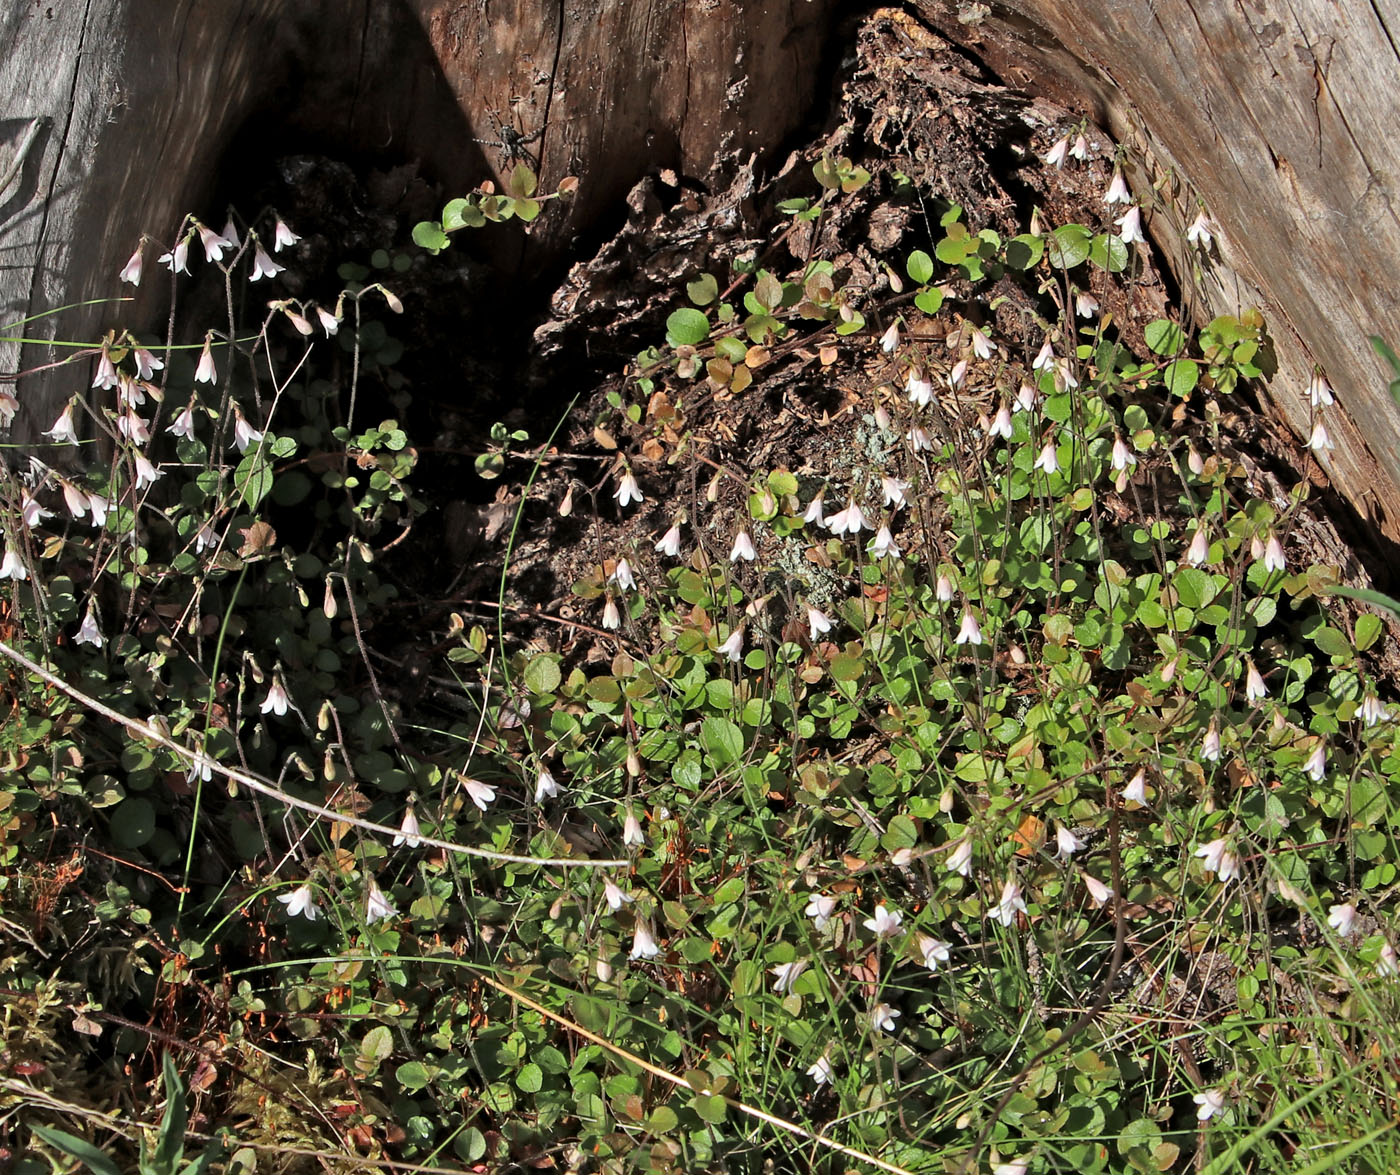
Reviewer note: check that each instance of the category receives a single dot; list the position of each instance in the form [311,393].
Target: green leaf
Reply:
[703,290]
[1109,252]
[710,1106]
[78,1148]
[376,1046]
[1368,630]
[530,1079]
[133,822]
[1025,251]
[542,674]
[1332,642]
[930,301]
[1164,337]
[1068,246]
[722,740]
[253,478]
[413,1076]
[919,267]
[1181,377]
[687,327]
[428,234]
[454,216]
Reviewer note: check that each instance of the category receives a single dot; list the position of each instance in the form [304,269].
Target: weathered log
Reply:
[1277,115]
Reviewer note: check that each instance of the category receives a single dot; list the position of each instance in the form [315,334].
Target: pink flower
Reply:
[131,271]
[481,794]
[982,345]
[1199,232]
[409,830]
[818,622]
[628,490]
[885,923]
[1010,903]
[1117,190]
[960,859]
[283,237]
[1274,559]
[177,258]
[329,322]
[612,618]
[890,339]
[1080,150]
[819,910]
[183,424]
[1085,305]
[785,975]
[62,430]
[8,407]
[546,787]
[1136,791]
[1130,224]
[1098,892]
[622,575]
[814,509]
[263,266]
[1199,550]
[206,372]
[1066,843]
[1001,424]
[244,434]
[613,895]
[742,548]
[214,244]
[1320,441]
[892,491]
[12,566]
[850,520]
[883,545]
[146,363]
[1122,456]
[643,941]
[1049,460]
[1320,391]
[1219,859]
[670,542]
[882,1017]
[106,376]
[1316,765]
[276,700]
[1342,919]
[146,473]
[934,951]
[733,647]
[943,588]
[299,903]
[632,835]
[1209,1104]
[1055,157]
[920,389]
[377,906]
[88,632]
[970,633]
